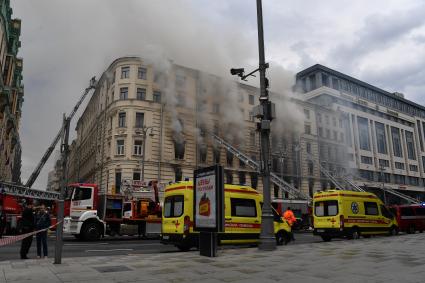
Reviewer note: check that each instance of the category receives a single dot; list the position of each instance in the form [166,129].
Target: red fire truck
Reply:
[92,214]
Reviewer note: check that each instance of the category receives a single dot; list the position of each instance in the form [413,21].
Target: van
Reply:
[410,218]
[242,217]
[339,213]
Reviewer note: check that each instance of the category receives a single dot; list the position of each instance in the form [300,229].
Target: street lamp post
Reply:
[265,112]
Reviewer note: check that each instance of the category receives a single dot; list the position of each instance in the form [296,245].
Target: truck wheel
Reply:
[393,231]
[355,234]
[282,238]
[326,238]
[91,231]
[183,247]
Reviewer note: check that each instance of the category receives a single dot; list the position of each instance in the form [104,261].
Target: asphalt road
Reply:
[116,246]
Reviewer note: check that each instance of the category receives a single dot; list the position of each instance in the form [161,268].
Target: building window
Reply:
[325,79]
[413,168]
[320,132]
[120,147]
[216,108]
[312,81]
[319,117]
[178,174]
[157,96]
[180,80]
[363,133]
[414,181]
[121,120]
[203,149]
[341,137]
[251,99]
[138,146]
[423,163]
[334,121]
[140,117]
[125,72]
[308,147]
[242,178]
[335,133]
[229,177]
[327,119]
[411,153]
[381,140]
[229,159]
[310,168]
[307,129]
[216,155]
[307,113]
[399,165]
[421,142]
[117,182]
[395,133]
[335,83]
[366,159]
[136,176]
[384,163]
[123,93]
[179,149]
[251,116]
[328,133]
[141,93]
[365,174]
[254,179]
[141,73]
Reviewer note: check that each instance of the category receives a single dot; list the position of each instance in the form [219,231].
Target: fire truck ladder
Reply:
[254,165]
[23,191]
[52,146]
[328,174]
[400,195]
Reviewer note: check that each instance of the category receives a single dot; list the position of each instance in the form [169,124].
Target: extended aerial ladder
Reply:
[283,185]
[23,191]
[355,187]
[52,146]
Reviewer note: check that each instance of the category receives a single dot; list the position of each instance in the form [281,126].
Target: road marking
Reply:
[93,244]
[112,250]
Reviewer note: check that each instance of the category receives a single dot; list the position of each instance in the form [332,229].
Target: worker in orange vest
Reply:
[290,218]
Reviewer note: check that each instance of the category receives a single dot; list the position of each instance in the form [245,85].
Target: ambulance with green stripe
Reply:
[340,213]
[242,217]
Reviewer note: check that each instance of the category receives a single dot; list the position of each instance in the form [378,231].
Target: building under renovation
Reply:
[158,120]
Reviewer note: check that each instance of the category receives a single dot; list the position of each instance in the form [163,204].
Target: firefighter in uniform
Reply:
[27,227]
[290,218]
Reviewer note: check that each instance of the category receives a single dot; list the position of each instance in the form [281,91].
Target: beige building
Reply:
[166,113]
[11,95]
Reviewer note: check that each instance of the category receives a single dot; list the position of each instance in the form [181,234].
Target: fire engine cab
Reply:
[92,215]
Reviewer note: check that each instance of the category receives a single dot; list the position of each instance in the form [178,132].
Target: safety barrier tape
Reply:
[11,240]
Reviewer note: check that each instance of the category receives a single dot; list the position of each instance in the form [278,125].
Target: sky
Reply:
[65,43]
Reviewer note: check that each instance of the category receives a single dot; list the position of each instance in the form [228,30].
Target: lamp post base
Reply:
[267,237]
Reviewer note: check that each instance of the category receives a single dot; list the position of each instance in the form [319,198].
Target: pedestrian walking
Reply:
[290,218]
[27,222]
[2,220]
[42,221]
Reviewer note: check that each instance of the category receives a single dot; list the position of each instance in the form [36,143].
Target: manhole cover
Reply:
[117,268]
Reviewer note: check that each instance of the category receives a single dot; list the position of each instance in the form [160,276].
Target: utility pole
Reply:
[267,236]
[64,157]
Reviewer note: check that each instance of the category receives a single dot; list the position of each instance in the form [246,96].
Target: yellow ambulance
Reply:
[242,217]
[339,213]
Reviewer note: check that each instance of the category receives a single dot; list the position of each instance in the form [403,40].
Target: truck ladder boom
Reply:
[22,191]
[52,146]
[254,165]
[400,195]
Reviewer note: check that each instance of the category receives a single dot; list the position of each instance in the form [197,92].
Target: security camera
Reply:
[238,71]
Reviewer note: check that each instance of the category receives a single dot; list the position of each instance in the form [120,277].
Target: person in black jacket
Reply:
[42,221]
[27,227]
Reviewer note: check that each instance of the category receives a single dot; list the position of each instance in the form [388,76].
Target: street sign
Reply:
[208,195]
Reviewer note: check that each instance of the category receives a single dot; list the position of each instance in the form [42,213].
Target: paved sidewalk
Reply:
[382,259]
